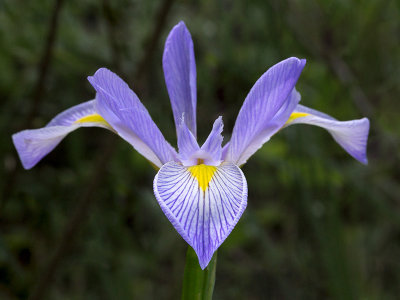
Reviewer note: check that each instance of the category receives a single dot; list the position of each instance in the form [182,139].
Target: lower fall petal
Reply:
[32,145]
[351,135]
[202,202]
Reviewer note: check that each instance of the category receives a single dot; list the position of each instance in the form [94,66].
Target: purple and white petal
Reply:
[203,203]
[351,135]
[265,101]
[32,145]
[213,144]
[180,75]
[121,108]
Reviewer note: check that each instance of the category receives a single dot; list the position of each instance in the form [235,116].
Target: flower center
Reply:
[199,157]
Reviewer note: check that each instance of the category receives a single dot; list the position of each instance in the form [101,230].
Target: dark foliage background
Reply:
[84,223]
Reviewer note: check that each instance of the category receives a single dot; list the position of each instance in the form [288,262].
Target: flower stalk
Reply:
[198,284]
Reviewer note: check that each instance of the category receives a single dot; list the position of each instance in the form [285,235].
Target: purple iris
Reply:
[201,190]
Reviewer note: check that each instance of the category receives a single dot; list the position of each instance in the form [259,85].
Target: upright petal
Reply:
[187,143]
[225,151]
[32,145]
[203,203]
[120,106]
[213,144]
[259,118]
[180,75]
[351,135]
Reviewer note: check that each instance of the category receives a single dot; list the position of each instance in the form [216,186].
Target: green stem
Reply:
[198,284]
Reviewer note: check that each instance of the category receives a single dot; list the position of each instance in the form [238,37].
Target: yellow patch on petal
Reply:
[296,115]
[203,174]
[94,118]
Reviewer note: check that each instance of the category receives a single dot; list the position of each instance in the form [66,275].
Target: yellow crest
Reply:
[203,174]
[94,118]
[296,115]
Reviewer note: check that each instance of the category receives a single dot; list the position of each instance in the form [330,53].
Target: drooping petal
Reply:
[180,75]
[203,203]
[120,106]
[351,135]
[32,145]
[264,101]
[213,144]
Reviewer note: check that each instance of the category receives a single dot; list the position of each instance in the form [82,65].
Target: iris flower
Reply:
[201,189]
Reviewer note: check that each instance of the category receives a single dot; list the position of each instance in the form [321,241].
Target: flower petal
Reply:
[213,144]
[271,127]
[351,135]
[203,203]
[180,75]
[225,151]
[32,145]
[120,106]
[264,101]
[187,143]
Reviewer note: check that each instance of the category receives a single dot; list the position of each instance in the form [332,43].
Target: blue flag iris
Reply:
[201,189]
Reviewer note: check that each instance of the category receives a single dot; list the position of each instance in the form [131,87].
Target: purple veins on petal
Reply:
[180,75]
[204,215]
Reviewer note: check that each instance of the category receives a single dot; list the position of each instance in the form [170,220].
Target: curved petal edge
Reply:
[257,119]
[33,144]
[351,135]
[180,75]
[203,203]
[121,107]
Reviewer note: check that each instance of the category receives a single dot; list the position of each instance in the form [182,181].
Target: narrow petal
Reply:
[264,101]
[203,203]
[187,143]
[180,75]
[213,144]
[32,145]
[351,135]
[225,151]
[120,106]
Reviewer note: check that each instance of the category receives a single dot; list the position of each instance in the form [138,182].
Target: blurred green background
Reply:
[84,224]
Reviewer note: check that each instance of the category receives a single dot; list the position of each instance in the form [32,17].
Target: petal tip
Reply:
[364,122]
[181,23]
[204,262]
[91,80]
[303,62]
[99,74]
[20,145]
[178,196]
[179,28]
